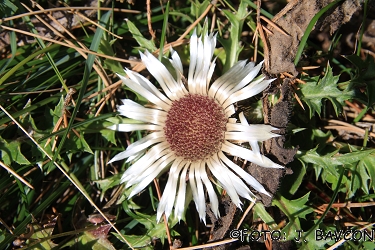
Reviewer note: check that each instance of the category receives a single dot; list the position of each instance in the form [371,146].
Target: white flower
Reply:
[191,129]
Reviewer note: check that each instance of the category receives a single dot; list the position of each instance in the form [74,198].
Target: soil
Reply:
[294,19]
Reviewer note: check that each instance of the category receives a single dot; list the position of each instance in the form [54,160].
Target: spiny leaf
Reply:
[333,159]
[107,183]
[11,152]
[365,75]
[366,169]
[359,163]
[294,209]
[91,240]
[42,233]
[315,91]
[154,229]
[141,40]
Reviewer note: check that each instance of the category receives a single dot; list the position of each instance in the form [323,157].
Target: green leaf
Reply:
[77,144]
[315,91]
[294,209]
[198,8]
[90,240]
[141,40]
[154,229]
[7,8]
[367,171]
[108,183]
[2,235]
[58,111]
[109,135]
[42,234]
[11,152]
[260,211]
[333,159]
[313,244]
[360,164]
[365,75]
[232,45]
[106,49]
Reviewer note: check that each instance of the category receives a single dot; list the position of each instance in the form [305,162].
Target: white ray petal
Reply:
[168,198]
[253,143]
[176,61]
[251,73]
[212,40]
[161,74]
[193,61]
[179,207]
[150,170]
[229,111]
[248,155]
[238,184]
[135,111]
[144,82]
[214,166]
[209,44]
[193,185]
[145,93]
[136,156]
[259,132]
[177,64]
[171,196]
[155,153]
[155,119]
[210,190]
[199,76]
[237,81]
[158,167]
[243,174]
[248,136]
[129,105]
[209,74]
[134,127]
[139,145]
[200,198]
[247,92]
[232,72]
[201,67]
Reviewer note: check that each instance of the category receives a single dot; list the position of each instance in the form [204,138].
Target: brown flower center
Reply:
[195,127]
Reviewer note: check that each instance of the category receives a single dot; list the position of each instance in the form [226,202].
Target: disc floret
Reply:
[195,127]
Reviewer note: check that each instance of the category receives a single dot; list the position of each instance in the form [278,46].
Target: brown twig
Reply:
[245,214]
[191,27]
[263,37]
[38,12]
[164,217]
[68,45]
[347,127]
[15,174]
[149,23]
[274,25]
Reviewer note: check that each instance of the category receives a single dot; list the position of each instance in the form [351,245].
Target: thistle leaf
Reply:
[316,90]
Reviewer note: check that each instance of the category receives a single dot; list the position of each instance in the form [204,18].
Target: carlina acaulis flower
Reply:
[192,131]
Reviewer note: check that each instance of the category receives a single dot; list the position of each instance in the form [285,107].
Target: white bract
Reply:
[191,129]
